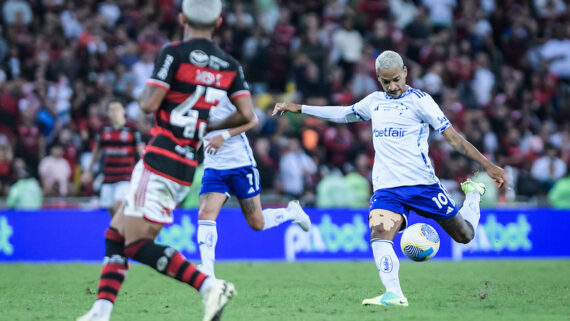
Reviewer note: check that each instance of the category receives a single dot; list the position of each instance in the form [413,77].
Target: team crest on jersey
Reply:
[199,58]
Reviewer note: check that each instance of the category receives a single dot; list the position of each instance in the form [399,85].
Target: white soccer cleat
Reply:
[388,298]
[301,218]
[94,315]
[216,299]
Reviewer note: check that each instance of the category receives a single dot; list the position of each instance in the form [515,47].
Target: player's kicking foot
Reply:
[301,218]
[388,298]
[469,186]
[216,299]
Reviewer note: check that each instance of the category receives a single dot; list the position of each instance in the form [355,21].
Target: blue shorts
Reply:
[430,201]
[243,182]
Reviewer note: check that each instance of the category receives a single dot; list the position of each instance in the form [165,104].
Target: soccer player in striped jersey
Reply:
[403,176]
[120,145]
[188,79]
[230,168]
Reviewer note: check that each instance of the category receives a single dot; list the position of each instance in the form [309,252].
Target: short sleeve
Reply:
[239,86]
[362,108]
[431,113]
[164,69]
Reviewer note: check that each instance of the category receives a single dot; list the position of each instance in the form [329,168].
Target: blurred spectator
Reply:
[556,52]
[55,172]
[332,190]
[549,168]
[6,158]
[359,188]
[17,12]
[440,11]
[266,165]
[26,193]
[295,166]
[347,47]
[559,194]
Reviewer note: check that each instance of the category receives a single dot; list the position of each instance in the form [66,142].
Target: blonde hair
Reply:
[389,59]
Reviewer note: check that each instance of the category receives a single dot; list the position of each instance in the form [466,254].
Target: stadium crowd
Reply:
[500,71]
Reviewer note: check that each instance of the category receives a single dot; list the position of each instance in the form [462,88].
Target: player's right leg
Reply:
[462,227]
[113,273]
[210,205]
[384,225]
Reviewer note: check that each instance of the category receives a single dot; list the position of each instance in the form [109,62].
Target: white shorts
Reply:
[152,196]
[113,193]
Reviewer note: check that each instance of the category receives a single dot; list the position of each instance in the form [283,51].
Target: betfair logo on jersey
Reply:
[389,132]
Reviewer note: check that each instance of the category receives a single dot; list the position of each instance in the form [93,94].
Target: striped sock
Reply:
[166,260]
[115,266]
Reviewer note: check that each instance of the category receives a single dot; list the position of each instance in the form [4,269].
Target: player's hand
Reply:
[213,144]
[498,175]
[281,108]
[86,177]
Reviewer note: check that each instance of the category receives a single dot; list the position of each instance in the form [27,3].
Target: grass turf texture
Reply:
[439,290]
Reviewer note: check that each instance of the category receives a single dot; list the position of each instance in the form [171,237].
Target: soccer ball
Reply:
[420,242]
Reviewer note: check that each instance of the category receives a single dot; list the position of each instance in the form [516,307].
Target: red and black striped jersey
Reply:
[197,74]
[119,148]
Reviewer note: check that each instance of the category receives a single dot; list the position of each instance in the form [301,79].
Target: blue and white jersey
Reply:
[400,136]
[235,152]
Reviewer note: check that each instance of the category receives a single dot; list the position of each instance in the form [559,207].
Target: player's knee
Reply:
[256,222]
[464,236]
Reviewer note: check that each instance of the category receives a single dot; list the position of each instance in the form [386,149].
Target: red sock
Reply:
[115,266]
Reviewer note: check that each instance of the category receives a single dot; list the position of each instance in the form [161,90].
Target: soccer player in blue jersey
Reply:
[403,176]
[231,169]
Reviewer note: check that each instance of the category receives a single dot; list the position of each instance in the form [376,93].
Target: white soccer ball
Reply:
[420,242]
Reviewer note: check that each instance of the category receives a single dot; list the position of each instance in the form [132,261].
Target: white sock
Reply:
[470,210]
[103,306]
[388,264]
[275,216]
[207,239]
[207,285]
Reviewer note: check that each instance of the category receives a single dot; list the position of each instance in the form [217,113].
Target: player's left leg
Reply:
[384,225]
[261,220]
[245,186]
[463,226]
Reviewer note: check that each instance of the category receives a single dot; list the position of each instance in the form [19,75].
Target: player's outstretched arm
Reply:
[243,115]
[337,114]
[461,145]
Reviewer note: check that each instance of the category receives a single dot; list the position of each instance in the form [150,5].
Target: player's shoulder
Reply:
[417,93]
[419,97]
[374,96]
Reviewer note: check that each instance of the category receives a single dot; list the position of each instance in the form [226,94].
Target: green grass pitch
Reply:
[327,291]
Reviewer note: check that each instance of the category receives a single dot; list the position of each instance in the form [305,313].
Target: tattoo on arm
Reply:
[247,206]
